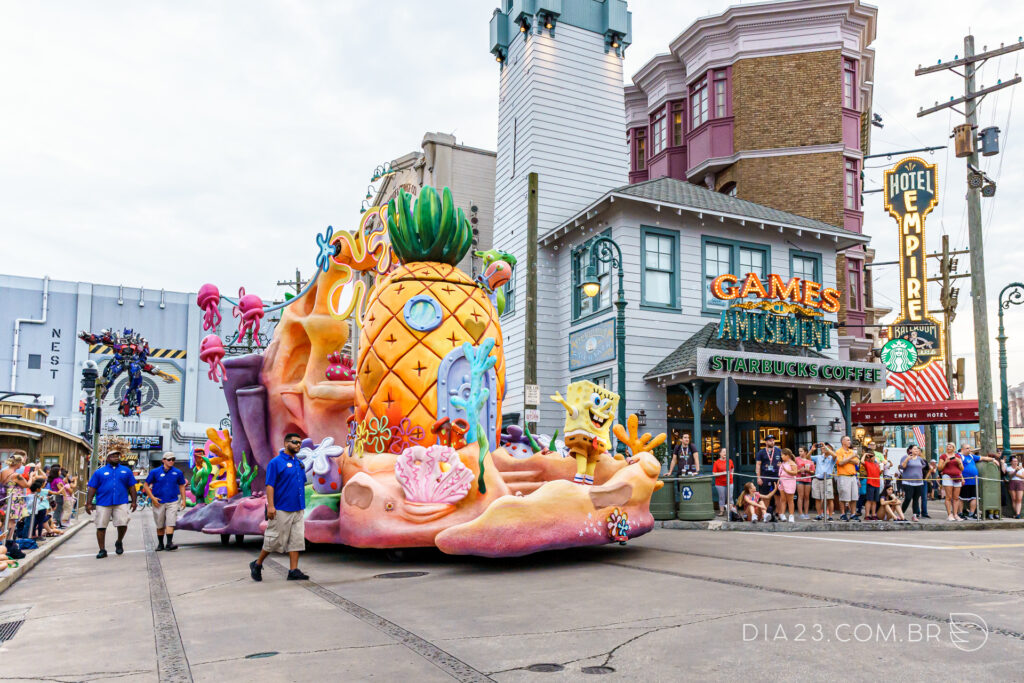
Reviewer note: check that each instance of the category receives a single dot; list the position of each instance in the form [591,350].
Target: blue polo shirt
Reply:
[288,477]
[824,465]
[112,485]
[165,484]
[970,468]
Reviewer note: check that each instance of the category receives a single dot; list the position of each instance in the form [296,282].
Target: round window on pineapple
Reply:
[422,313]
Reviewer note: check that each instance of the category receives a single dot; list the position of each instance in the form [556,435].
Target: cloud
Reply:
[167,145]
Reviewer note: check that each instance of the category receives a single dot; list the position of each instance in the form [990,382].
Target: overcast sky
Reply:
[160,144]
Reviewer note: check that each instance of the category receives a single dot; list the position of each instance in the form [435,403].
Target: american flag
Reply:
[921,385]
[919,435]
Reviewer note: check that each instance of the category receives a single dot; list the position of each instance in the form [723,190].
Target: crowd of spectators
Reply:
[854,483]
[35,503]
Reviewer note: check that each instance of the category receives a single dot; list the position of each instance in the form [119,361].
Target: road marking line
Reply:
[70,557]
[850,540]
[994,545]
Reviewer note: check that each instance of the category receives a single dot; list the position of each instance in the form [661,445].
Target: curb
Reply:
[34,557]
[770,527]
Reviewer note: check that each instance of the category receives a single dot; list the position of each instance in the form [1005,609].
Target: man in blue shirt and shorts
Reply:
[165,486]
[111,487]
[286,505]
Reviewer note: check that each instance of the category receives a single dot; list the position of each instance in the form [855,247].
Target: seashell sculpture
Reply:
[433,475]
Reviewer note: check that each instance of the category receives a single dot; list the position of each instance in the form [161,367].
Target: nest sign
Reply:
[785,312]
[910,194]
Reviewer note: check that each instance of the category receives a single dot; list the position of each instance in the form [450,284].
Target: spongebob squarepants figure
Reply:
[589,410]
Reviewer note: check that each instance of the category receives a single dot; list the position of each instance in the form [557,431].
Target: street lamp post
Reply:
[1014,294]
[606,250]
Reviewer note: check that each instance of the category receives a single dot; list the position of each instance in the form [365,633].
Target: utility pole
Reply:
[532,227]
[983,358]
[948,298]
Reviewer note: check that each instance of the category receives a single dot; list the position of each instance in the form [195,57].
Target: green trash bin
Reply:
[695,501]
[990,493]
[663,503]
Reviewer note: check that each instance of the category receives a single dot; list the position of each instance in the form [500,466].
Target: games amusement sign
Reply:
[787,312]
[911,192]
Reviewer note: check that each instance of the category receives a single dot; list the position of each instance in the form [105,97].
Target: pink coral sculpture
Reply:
[425,479]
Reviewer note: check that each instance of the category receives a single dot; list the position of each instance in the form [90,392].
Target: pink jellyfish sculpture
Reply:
[209,300]
[249,311]
[211,350]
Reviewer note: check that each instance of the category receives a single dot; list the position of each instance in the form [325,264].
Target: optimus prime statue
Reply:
[131,354]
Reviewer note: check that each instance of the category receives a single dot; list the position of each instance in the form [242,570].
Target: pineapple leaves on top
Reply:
[430,228]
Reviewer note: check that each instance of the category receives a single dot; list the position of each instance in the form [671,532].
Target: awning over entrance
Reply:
[706,357]
[924,412]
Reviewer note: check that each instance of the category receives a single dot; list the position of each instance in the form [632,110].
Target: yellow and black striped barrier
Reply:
[153,353]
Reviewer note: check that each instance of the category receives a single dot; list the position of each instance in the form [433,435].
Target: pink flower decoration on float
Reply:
[405,435]
[433,475]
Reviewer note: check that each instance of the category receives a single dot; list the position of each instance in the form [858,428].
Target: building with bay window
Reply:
[769,102]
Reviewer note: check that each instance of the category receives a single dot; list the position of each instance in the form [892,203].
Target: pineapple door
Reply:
[453,380]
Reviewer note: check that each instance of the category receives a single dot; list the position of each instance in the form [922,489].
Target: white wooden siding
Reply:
[561,104]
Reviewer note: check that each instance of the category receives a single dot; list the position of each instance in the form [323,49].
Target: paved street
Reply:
[672,605]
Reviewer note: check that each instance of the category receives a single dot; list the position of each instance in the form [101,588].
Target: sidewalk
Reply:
[34,557]
[933,524]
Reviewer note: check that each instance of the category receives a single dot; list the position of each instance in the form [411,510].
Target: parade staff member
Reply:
[111,487]
[286,503]
[165,486]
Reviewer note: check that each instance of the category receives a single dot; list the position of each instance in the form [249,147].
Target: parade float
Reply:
[405,448]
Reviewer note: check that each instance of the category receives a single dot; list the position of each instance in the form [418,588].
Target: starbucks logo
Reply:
[899,355]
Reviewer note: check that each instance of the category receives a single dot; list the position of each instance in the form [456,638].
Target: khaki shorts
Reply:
[165,514]
[849,488]
[105,514]
[822,489]
[285,533]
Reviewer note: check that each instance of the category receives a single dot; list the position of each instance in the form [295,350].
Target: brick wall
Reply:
[787,100]
[808,185]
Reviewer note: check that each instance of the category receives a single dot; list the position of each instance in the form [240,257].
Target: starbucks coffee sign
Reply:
[792,371]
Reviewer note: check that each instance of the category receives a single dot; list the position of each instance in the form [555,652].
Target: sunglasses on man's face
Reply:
[294,442]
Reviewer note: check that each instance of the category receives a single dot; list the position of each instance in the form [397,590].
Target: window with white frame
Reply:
[640,151]
[852,198]
[677,124]
[752,261]
[717,261]
[721,95]
[805,268]
[659,134]
[699,103]
[854,288]
[849,83]
[659,268]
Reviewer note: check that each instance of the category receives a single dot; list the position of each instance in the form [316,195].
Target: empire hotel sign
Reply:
[789,311]
[910,195]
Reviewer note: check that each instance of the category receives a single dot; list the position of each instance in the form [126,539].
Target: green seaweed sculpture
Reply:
[246,475]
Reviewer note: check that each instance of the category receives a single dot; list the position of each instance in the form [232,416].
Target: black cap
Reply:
[770,437]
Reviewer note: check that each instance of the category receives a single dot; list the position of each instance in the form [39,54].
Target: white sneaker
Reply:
[791,518]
